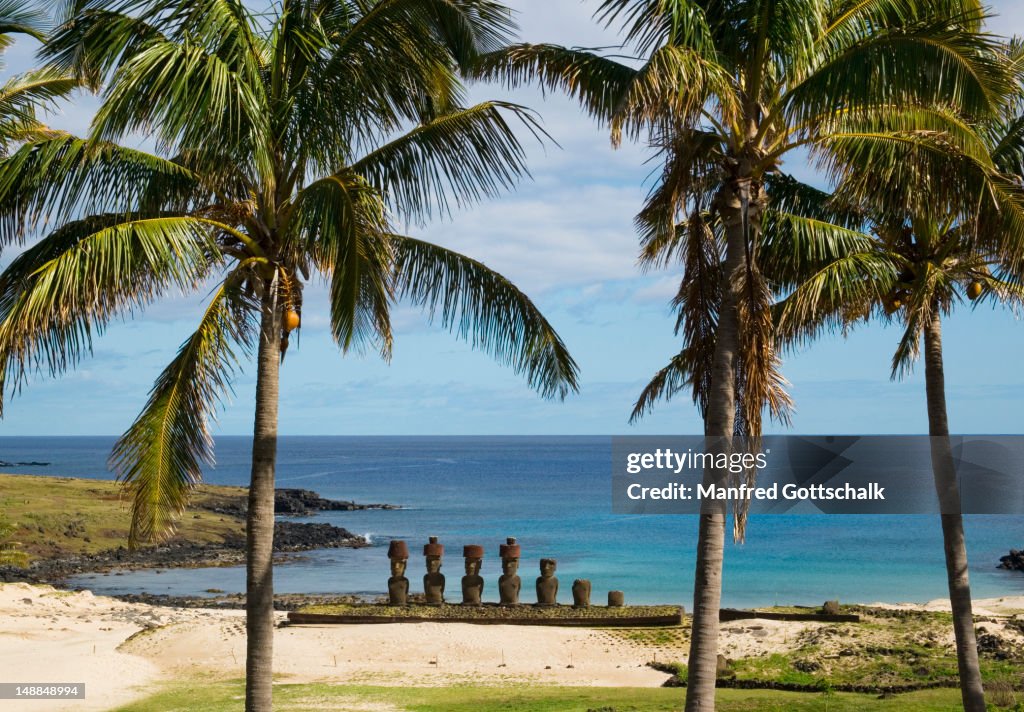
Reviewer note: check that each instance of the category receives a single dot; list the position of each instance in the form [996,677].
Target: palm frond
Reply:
[648,24]
[159,459]
[665,384]
[468,28]
[487,310]
[697,303]
[759,380]
[57,294]
[60,177]
[832,298]
[23,18]
[1006,138]
[795,246]
[597,82]
[882,169]
[92,41]
[868,67]
[186,95]
[341,220]
[458,157]
[926,298]
[689,174]
[676,84]
[24,97]
[762,383]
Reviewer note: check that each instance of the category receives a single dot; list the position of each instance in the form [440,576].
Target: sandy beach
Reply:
[50,635]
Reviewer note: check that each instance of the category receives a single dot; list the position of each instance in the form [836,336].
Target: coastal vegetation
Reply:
[11,553]
[887,651]
[60,517]
[63,526]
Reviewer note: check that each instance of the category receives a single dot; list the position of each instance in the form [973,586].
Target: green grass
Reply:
[651,637]
[222,697]
[60,516]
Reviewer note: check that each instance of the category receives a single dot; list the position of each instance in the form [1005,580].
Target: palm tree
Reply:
[947,221]
[733,87]
[24,96]
[288,145]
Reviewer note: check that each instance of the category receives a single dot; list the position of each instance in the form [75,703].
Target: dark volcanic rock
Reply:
[994,646]
[301,502]
[290,536]
[1014,561]
[293,502]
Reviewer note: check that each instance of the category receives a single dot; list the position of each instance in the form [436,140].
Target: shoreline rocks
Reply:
[1014,561]
[303,502]
[293,536]
[296,503]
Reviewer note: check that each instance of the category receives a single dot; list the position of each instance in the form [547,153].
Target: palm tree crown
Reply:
[286,147]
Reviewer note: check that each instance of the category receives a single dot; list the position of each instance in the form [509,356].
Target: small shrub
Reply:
[10,551]
[1001,694]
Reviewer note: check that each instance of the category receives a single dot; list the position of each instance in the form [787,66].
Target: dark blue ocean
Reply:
[553,494]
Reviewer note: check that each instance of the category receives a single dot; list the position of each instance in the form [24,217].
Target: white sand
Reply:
[49,635]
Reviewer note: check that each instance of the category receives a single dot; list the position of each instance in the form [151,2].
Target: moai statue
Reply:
[472,582]
[433,580]
[581,593]
[398,584]
[509,583]
[547,584]
[616,599]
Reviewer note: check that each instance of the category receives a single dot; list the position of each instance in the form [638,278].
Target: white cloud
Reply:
[660,290]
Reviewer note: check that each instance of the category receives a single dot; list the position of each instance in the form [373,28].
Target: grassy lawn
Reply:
[221,697]
[59,516]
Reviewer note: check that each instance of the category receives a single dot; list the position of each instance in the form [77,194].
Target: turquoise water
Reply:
[554,495]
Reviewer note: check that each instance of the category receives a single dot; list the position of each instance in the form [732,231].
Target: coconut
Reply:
[974,290]
[292,320]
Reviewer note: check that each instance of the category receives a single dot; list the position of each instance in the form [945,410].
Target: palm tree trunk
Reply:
[259,570]
[971,690]
[719,422]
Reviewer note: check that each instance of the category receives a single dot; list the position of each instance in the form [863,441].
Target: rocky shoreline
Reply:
[303,502]
[1014,561]
[289,538]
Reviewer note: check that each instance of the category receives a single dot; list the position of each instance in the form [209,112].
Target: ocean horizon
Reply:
[553,493]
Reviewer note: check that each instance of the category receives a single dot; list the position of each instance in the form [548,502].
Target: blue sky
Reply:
[566,238]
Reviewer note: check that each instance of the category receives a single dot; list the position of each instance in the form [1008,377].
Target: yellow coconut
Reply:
[974,290]
[292,320]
